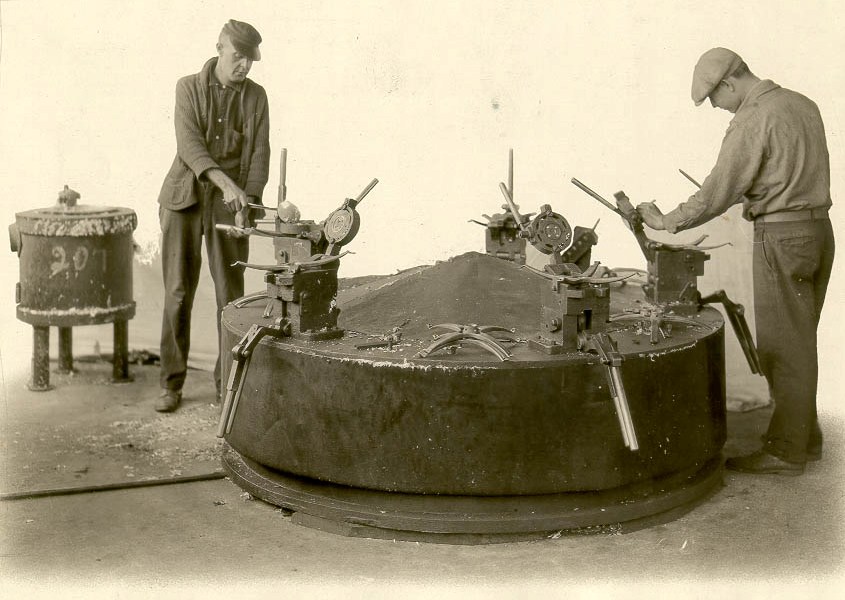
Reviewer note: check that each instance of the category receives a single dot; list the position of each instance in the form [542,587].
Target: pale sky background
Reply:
[426,96]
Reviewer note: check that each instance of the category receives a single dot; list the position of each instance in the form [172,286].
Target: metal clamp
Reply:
[318,260]
[470,334]
[578,278]
[653,320]
[243,301]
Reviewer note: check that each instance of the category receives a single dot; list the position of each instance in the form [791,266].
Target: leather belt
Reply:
[793,215]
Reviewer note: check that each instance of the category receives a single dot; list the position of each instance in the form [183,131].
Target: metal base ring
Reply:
[356,512]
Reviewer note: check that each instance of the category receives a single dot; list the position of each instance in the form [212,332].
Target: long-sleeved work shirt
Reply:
[773,158]
[225,125]
[217,127]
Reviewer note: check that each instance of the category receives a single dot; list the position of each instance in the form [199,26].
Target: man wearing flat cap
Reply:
[221,167]
[774,161]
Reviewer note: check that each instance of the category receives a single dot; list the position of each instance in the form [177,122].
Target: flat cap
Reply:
[713,66]
[245,38]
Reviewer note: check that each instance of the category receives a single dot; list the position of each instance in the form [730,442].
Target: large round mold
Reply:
[464,447]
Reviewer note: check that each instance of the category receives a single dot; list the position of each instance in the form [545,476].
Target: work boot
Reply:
[763,463]
[168,400]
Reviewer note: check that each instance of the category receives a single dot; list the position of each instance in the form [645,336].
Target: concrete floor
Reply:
[759,535]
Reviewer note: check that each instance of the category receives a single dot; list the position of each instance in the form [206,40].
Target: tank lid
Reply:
[77,221]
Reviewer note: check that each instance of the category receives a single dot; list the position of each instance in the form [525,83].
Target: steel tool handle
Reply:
[222,227]
[510,172]
[366,191]
[248,230]
[605,347]
[621,401]
[617,406]
[514,210]
[283,175]
[687,175]
[590,192]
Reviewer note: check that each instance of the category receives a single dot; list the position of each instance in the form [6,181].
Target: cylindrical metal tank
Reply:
[75,269]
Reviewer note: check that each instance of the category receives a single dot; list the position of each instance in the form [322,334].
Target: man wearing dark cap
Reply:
[774,161]
[221,166]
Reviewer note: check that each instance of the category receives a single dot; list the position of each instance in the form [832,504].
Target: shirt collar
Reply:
[763,86]
[212,80]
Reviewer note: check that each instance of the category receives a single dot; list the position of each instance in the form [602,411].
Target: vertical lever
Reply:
[363,193]
[603,345]
[283,175]
[241,356]
[736,315]
[510,172]
[623,411]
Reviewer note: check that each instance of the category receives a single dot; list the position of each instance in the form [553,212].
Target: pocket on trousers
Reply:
[793,254]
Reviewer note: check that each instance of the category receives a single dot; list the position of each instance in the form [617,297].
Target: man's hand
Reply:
[242,218]
[235,199]
[651,215]
[241,223]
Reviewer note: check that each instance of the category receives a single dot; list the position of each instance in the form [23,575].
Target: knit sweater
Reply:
[193,138]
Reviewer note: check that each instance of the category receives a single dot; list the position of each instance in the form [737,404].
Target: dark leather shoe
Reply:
[764,463]
[168,401]
[814,453]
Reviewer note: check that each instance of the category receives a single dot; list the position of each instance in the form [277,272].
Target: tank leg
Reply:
[40,359]
[65,350]
[120,361]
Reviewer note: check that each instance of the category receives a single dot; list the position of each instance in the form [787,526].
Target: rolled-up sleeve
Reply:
[739,161]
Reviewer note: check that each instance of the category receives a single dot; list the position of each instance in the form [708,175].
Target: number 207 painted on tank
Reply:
[79,260]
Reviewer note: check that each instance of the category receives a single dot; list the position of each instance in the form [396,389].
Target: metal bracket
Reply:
[476,335]
[736,315]
[242,354]
[603,345]
[318,260]
[577,278]
[243,301]
[659,323]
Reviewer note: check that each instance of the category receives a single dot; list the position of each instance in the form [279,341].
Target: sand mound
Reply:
[470,288]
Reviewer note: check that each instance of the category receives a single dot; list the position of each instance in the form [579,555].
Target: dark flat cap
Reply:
[713,66]
[245,38]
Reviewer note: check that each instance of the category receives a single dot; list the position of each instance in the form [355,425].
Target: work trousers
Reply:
[792,262]
[181,250]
